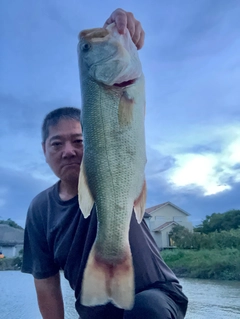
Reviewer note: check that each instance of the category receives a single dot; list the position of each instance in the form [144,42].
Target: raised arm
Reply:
[49,297]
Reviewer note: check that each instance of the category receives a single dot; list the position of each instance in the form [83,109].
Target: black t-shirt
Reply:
[58,237]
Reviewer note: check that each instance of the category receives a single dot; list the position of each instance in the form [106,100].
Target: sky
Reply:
[191,63]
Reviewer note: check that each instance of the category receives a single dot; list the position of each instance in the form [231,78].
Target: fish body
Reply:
[112,170]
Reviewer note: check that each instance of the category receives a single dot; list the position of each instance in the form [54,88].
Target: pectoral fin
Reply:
[140,202]
[125,109]
[85,198]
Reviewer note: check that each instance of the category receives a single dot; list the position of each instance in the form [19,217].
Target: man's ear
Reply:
[44,148]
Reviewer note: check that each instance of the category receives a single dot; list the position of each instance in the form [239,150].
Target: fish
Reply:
[112,172]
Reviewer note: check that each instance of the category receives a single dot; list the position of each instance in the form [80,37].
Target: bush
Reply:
[185,239]
[17,262]
[205,264]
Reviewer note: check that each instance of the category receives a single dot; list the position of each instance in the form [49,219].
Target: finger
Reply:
[140,43]
[107,22]
[121,21]
[131,23]
[137,32]
[120,18]
[125,20]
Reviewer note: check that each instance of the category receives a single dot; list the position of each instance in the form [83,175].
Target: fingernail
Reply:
[122,30]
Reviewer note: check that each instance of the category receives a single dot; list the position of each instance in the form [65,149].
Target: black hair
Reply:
[53,118]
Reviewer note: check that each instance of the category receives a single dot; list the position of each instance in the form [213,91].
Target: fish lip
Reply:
[125,83]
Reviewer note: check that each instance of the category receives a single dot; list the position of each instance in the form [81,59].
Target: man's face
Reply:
[63,149]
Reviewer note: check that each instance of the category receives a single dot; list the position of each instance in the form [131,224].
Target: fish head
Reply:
[107,56]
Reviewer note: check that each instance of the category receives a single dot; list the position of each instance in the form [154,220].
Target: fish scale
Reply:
[104,163]
[114,158]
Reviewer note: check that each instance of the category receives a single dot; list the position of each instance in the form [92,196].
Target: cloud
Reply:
[195,30]
[191,199]
[213,170]
[17,189]
[201,170]
[157,163]
[191,65]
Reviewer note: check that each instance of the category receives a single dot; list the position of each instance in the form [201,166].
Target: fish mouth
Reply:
[125,83]
[94,35]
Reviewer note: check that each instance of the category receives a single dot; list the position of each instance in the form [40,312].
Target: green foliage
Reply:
[12,263]
[207,254]
[181,237]
[205,264]
[219,222]
[17,262]
[7,264]
[11,223]
[185,239]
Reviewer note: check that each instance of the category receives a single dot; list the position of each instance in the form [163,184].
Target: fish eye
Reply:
[85,47]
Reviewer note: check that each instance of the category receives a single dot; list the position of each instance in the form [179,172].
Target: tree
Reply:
[185,239]
[11,223]
[219,222]
[181,237]
[17,261]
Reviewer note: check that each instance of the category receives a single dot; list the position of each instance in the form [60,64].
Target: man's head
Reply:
[62,142]
[62,113]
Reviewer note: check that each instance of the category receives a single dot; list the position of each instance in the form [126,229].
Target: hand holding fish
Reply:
[123,20]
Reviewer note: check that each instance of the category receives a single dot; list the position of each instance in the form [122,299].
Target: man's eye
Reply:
[78,141]
[55,144]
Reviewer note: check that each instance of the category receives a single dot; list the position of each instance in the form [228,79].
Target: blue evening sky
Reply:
[191,62]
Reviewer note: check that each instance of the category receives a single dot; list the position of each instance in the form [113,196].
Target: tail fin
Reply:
[104,282]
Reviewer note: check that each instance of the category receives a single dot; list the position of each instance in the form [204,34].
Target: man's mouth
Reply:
[71,164]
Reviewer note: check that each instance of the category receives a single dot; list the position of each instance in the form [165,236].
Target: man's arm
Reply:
[49,297]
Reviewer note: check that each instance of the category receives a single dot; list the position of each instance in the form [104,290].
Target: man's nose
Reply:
[68,150]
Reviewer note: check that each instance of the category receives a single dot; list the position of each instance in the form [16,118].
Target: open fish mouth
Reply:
[96,34]
[125,83]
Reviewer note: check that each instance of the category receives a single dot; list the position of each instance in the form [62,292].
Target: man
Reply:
[58,237]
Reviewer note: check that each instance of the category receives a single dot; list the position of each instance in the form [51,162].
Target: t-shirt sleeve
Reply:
[38,259]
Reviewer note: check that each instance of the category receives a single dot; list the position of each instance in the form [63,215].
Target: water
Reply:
[212,299]
[207,299]
[18,297]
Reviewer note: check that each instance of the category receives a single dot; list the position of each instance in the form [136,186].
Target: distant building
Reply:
[162,218]
[11,240]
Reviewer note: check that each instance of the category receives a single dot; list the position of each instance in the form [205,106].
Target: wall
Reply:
[11,251]
[169,213]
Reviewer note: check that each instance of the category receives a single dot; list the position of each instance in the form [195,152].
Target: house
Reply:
[11,240]
[162,218]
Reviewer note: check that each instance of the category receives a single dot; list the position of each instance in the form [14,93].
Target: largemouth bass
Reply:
[112,170]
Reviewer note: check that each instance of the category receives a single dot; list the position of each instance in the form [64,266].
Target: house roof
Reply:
[146,215]
[165,225]
[150,210]
[10,235]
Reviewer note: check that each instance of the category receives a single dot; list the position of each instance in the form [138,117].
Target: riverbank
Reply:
[10,263]
[221,264]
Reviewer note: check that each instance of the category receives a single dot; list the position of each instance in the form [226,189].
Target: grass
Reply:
[204,264]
